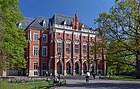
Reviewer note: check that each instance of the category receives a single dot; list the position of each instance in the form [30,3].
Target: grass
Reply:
[119,78]
[28,85]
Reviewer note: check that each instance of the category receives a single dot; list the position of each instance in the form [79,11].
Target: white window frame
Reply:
[44,47]
[45,36]
[77,49]
[35,72]
[44,23]
[35,54]
[61,47]
[68,48]
[35,38]
[85,49]
[35,67]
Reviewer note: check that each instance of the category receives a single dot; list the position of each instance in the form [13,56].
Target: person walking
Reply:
[87,76]
[93,74]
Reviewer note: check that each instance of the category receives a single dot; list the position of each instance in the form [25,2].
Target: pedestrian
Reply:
[47,73]
[93,74]
[87,76]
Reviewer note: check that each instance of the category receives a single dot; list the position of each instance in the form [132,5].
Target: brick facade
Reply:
[68,36]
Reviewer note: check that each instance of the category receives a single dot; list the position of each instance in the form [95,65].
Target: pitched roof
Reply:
[56,19]
[59,19]
[25,23]
[38,23]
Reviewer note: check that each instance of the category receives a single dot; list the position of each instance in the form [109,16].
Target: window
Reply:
[68,48]
[35,36]
[85,49]
[44,50]
[44,38]
[60,47]
[44,67]
[65,22]
[35,50]
[76,48]
[83,26]
[59,34]
[44,23]
[77,36]
[84,37]
[68,35]
[35,73]
[35,66]
[20,25]
[91,49]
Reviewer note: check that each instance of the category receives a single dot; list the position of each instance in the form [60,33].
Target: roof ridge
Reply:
[42,17]
[56,14]
[29,18]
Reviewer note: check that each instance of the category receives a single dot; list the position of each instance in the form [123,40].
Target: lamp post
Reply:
[59,56]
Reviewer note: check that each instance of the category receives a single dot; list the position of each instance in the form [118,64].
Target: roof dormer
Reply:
[65,22]
[44,23]
[20,25]
[83,26]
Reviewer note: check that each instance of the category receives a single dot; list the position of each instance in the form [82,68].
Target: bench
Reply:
[52,83]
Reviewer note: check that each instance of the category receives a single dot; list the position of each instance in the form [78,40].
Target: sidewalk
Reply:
[100,84]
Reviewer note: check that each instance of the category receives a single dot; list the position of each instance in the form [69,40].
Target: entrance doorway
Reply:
[77,68]
[59,68]
[85,67]
[68,68]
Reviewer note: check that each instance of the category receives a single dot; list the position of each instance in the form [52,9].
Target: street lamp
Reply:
[59,56]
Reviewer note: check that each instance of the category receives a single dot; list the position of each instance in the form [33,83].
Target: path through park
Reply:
[100,84]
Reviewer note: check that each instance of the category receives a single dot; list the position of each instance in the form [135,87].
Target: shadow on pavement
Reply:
[105,85]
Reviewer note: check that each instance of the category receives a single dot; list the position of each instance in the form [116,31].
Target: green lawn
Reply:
[119,78]
[29,85]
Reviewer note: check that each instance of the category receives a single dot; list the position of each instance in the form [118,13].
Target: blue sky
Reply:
[87,10]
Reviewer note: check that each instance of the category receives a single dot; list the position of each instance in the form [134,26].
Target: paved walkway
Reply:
[100,84]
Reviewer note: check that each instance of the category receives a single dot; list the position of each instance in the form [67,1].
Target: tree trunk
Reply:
[138,69]
[137,64]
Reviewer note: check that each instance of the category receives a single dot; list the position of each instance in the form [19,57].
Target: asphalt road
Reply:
[100,84]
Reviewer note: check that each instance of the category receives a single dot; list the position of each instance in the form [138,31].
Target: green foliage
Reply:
[119,60]
[121,27]
[37,84]
[119,78]
[13,40]
[28,85]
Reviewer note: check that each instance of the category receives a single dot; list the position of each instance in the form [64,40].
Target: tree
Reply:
[97,52]
[13,40]
[122,25]
[119,62]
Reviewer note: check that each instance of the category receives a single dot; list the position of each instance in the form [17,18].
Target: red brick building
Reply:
[60,34]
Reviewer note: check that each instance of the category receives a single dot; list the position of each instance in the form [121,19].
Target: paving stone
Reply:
[100,84]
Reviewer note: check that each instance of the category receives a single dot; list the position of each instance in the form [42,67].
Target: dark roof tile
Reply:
[38,23]
[56,19]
